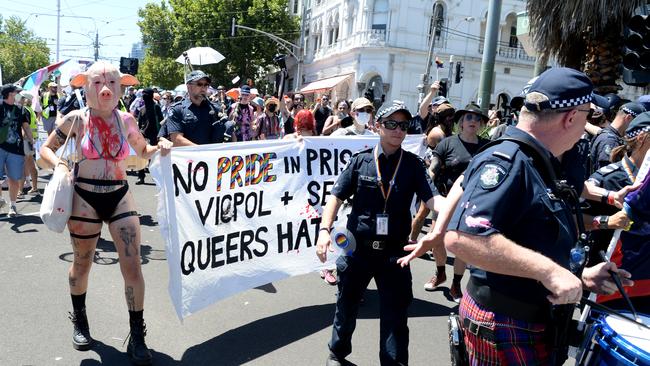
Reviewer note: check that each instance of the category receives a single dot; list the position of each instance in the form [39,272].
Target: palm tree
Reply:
[583,34]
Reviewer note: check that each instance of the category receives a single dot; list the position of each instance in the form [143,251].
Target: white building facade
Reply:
[356,46]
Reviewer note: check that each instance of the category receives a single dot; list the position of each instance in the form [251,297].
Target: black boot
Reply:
[137,349]
[81,339]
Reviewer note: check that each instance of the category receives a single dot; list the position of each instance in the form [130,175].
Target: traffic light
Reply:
[636,59]
[459,72]
[443,87]
[128,65]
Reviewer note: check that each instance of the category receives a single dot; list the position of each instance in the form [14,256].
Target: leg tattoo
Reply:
[127,234]
[130,298]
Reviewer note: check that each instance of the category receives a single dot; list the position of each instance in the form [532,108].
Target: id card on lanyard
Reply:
[382,219]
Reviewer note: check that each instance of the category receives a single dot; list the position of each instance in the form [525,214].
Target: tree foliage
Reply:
[21,52]
[173,26]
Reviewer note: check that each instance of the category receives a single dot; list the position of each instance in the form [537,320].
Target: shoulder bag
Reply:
[56,206]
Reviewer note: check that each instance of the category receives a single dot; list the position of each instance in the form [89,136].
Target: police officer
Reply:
[194,120]
[634,249]
[612,136]
[516,232]
[383,180]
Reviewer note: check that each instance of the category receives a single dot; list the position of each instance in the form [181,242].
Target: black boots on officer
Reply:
[137,349]
[81,339]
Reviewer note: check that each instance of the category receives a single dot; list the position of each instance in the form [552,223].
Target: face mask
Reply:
[342,115]
[363,118]
[271,108]
[164,102]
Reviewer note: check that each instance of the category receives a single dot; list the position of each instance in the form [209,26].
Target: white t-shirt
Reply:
[350,131]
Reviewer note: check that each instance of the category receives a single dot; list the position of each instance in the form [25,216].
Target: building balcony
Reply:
[510,53]
[367,38]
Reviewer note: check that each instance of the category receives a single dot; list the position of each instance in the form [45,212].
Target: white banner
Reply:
[240,215]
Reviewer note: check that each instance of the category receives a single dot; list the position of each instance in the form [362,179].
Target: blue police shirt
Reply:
[359,178]
[193,121]
[602,146]
[635,248]
[505,194]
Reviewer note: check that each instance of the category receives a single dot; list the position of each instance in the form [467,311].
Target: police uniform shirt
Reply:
[505,194]
[575,164]
[359,178]
[69,103]
[602,146]
[635,248]
[194,122]
[455,155]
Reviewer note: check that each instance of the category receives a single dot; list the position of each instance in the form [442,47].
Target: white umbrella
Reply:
[201,56]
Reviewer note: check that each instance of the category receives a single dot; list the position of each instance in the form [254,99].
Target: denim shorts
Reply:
[14,164]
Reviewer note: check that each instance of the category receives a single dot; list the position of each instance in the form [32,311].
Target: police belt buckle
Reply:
[378,245]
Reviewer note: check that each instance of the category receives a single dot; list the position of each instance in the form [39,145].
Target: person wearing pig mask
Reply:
[103,135]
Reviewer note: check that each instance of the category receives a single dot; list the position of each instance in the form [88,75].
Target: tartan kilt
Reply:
[515,342]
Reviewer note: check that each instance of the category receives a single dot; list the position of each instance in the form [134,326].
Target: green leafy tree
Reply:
[21,52]
[173,26]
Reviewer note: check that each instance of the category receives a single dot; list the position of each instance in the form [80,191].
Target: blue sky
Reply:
[114,21]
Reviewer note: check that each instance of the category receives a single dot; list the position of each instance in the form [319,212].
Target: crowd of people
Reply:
[485,182]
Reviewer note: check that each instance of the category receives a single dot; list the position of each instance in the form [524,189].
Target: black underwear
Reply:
[104,203]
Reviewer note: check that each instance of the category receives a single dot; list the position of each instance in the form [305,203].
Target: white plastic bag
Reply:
[56,206]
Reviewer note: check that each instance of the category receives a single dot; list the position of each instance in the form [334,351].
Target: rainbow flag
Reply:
[439,63]
[35,79]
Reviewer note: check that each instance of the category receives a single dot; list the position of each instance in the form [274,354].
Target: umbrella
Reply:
[201,56]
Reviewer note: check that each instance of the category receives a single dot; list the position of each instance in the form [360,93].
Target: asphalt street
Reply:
[282,323]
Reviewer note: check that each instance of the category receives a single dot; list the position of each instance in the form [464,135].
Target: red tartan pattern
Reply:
[516,342]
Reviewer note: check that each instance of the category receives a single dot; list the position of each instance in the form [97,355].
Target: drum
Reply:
[614,341]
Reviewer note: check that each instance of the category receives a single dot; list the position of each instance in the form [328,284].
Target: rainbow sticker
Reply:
[344,241]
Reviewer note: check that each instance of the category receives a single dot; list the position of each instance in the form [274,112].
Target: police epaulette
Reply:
[506,151]
[607,169]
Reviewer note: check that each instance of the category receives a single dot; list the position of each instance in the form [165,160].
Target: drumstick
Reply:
[617,280]
[606,309]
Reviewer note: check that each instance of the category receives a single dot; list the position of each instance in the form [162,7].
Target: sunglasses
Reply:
[590,112]
[392,125]
[202,85]
[367,110]
[472,116]
[298,99]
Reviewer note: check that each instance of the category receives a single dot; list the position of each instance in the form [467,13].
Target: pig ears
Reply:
[79,80]
[128,80]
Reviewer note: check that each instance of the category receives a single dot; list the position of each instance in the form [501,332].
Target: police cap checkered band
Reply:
[564,88]
[633,109]
[389,109]
[639,125]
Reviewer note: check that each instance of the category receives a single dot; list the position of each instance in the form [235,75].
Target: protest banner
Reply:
[241,215]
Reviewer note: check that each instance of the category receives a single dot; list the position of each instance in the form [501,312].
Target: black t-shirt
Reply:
[320,115]
[12,117]
[454,154]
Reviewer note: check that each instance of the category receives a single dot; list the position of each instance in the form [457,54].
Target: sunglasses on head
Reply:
[392,125]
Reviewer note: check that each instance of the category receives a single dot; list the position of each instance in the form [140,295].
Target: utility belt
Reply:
[382,246]
[499,303]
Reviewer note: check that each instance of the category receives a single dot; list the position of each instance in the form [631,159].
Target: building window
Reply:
[513,42]
[380,14]
[437,21]
[295,6]
[506,70]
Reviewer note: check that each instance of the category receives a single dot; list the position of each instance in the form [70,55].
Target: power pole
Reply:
[489,54]
[424,83]
[301,44]
[97,45]
[58,28]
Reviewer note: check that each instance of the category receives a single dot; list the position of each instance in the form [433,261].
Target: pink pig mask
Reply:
[102,84]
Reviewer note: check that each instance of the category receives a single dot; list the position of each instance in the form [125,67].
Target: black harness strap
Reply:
[86,219]
[77,236]
[122,215]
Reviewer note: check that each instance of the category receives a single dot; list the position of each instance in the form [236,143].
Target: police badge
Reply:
[491,176]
